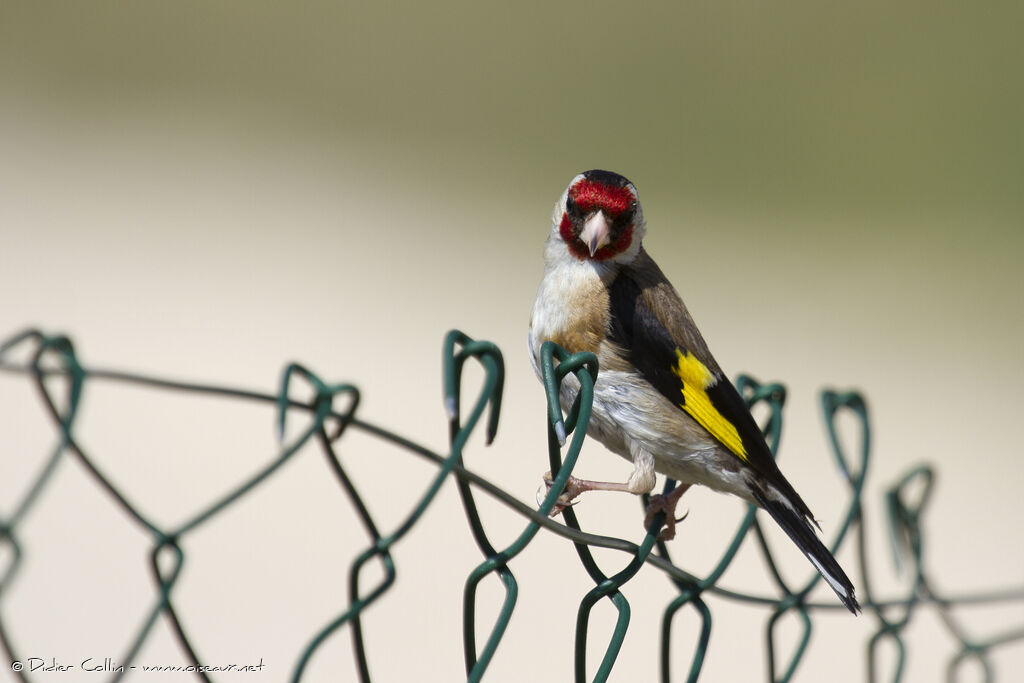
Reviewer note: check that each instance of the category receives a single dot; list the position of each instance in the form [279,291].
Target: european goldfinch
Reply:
[661,400]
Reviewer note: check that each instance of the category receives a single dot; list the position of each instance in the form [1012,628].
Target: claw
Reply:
[563,501]
[667,504]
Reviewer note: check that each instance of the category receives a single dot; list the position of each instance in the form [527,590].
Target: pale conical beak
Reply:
[596,232]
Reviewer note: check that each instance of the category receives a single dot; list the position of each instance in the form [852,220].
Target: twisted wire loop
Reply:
[584,368]
[60,380]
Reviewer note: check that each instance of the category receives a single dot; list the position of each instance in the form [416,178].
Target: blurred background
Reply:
[210,190]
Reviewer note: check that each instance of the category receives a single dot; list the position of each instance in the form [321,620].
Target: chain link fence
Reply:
[333,413]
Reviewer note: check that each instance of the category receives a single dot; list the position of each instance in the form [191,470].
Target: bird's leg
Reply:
[573,488]
[641,481]
[667,504]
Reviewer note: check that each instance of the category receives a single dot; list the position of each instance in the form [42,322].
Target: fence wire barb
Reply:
[54,356]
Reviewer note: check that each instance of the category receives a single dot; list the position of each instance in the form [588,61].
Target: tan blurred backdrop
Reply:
[208,191]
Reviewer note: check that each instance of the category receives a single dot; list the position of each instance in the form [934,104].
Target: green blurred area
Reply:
[857,106]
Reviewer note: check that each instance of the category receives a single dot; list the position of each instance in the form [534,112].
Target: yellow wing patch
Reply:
[697,379]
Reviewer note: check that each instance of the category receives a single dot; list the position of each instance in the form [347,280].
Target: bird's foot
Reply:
[573,488]
[667,504]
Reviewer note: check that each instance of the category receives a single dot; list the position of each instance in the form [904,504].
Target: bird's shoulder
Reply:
[647,310]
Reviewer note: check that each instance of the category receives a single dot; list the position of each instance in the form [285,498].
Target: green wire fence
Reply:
[333,409]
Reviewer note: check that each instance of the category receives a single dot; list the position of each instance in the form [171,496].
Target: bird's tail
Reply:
[799,529]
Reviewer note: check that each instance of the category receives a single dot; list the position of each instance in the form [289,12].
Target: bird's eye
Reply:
[571,206]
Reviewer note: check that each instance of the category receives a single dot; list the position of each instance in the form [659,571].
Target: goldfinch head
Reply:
[599,218]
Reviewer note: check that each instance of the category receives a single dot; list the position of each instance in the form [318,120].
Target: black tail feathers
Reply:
[799,529]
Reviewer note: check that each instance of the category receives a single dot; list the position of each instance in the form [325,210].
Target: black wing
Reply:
[652,326]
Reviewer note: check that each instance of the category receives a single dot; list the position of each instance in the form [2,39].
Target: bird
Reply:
[660,399]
